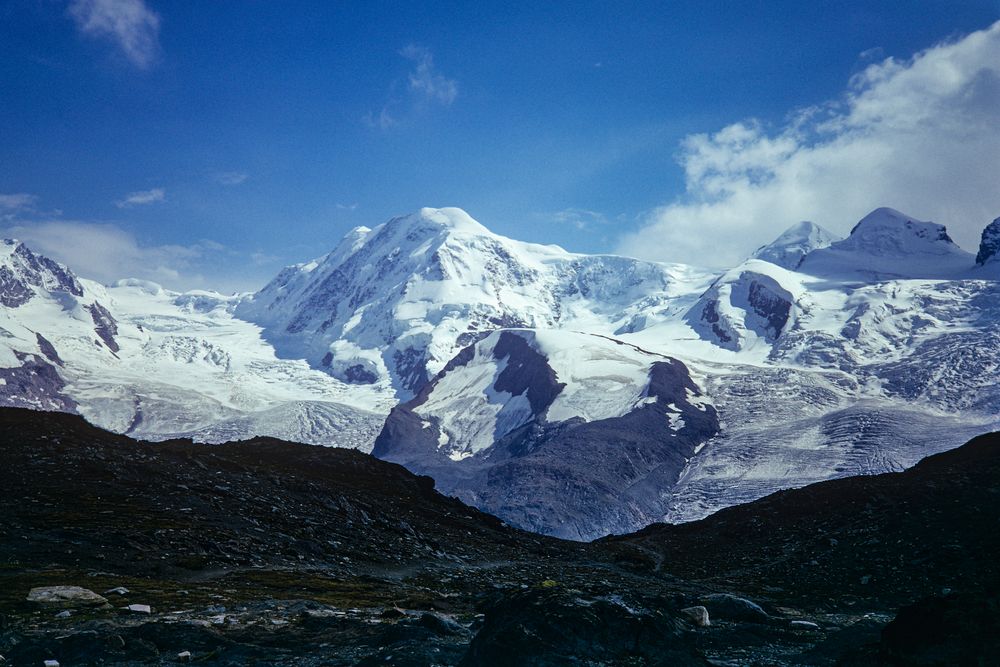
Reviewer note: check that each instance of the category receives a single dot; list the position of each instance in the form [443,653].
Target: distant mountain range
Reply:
[570,394]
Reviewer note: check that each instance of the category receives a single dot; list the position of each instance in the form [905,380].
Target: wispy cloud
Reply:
[425,81]
[230,177]
[347,207]
[382,120]
[17,201]
[426,86]
[106,252]
[579,218]
[129,24]
[142,197]
[921,135]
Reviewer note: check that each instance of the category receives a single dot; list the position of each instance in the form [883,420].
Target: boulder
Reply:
[65,595]
[549,627]
[696,615]
[732,608]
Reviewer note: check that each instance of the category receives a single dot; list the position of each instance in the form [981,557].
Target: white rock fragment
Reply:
[140,608]
[184,656]
[51,663]
[64,594]
[119,590]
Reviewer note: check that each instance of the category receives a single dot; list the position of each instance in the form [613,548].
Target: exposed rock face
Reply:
[23,270]
[35,384]
[990,244]
[499,429]
[742,306]
[104,325]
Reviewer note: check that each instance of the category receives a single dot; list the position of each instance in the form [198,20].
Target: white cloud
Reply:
[920,135]
[142,197]
[425,81]
[130,24]
[106,252]
[579,218]
[17,201]
[425,87]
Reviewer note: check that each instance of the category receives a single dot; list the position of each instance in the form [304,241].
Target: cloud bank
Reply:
[129,24]
[921,135]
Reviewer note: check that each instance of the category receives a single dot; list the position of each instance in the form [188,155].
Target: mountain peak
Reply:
[22,272]
[989,247]
[449,219]
[887,244]
[888,231]
[788,250]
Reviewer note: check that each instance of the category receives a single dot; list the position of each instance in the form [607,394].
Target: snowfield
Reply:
[820,357]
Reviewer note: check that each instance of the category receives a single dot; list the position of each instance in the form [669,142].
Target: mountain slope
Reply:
[894,537]
[391,306]
[875,351]
[139,359]
[564,433]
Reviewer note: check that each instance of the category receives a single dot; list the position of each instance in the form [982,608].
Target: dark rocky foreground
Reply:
[271,553]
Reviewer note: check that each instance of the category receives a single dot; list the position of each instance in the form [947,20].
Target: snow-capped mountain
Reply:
[571,394]
[391,306]
[137,359]
[557,431]
[788,250]
[887,244]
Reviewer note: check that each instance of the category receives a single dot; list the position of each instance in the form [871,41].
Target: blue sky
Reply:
[206,144]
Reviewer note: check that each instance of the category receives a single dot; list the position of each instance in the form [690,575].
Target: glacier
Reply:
[577,395]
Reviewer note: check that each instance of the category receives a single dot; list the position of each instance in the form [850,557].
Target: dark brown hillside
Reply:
[887,538]
[272,553]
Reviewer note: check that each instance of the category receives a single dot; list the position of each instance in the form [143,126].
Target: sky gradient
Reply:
[208,144]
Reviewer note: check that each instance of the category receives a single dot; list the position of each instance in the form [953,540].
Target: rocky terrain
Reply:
[643,392]
[272,553]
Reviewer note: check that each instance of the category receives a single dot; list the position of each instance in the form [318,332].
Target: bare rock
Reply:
[65,595]
[732,608]
[696,615]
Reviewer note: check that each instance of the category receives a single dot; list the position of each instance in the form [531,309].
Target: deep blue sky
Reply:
[536,109]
